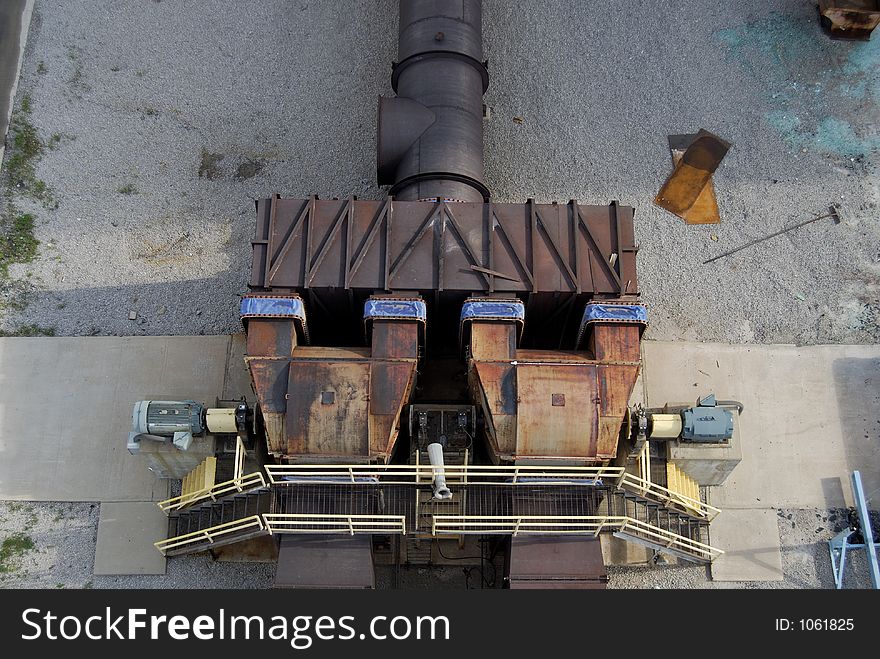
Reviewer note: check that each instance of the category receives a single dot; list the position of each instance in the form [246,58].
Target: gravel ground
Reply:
[63,554]
[172,117]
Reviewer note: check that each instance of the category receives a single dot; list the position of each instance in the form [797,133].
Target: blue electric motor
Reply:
[707,422]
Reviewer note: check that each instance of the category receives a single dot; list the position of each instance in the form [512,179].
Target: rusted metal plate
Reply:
[263,549]
[325,561]
[554,404]
[395,339]
[616,383]
[424,246]
[686,184]
[850,19]
[555,562]
[705,208]
[389,384]
[270,378]
[271,337]
[492,341]
[615,342]
[493,387]
[319,430]
[390,387]
[330,354]
[545,429]
[270,342]
[566,356]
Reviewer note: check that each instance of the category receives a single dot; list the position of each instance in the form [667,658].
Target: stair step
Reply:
[418,552]
[678,481]
[675,551]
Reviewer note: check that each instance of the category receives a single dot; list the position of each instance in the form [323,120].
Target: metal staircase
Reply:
[217,523]
[660,527]
[679,481]
[487,500]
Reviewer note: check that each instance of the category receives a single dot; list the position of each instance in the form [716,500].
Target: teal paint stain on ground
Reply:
[864,58]
[832,135]
[785,123]
[863,64]
[824,94]
[836,136]
[776,38]
[858,90]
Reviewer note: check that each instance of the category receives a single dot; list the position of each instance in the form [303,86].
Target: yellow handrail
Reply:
[491,475]
[411,474]
[240,455]
[562,525]
[210,533]
[249,482]
[640,485]
[301,523]
[279,523]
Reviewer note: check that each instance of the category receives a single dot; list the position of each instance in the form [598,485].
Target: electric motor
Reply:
[166,420]
[166,417]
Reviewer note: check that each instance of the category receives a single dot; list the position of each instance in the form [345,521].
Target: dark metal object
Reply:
[339,245]
[401,121]
[319,561]
[555,562]
[452,426]
[834,212]
[849,19]
[244,419]
[636,428]
[858,535]
[430,141]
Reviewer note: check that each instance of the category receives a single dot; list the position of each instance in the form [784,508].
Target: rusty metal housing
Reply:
[520,320]
[549,387]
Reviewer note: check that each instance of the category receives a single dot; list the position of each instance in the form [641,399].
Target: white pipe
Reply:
[435,455]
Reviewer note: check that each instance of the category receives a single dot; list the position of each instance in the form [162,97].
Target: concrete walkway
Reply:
[65,410]
[812,416]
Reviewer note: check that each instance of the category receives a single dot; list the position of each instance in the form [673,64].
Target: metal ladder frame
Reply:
[840,544]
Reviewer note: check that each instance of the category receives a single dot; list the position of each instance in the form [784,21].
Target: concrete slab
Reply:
[237,381]
[812,415]
[65,410]
[749,556]
[616,551]
[126,533]
[708,464]
[15,20]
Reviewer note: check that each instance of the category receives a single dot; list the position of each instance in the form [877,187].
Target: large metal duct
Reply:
[430,137]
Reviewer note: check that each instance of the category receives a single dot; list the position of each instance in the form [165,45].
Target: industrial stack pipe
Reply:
[432,280]
[430,136]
